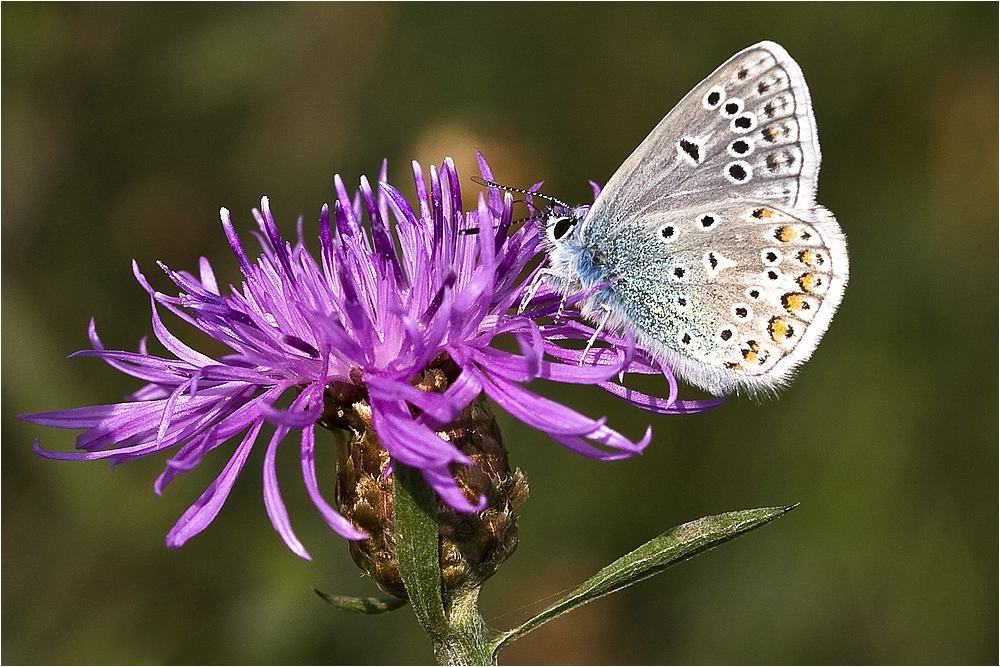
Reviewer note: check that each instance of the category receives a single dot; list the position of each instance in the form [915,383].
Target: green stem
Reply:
[468,640]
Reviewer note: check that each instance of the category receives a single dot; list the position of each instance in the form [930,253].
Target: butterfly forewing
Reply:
[753,109]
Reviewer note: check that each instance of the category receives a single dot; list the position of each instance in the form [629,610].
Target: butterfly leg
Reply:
[529,295]
[597,331]
[544,275]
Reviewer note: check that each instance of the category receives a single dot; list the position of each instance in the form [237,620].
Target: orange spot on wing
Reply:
[786,234]
[807,282]
[779,329]
[793,302]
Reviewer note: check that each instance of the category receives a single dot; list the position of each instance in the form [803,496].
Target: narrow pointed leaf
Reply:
[676,545]
[417,547]
[362,605]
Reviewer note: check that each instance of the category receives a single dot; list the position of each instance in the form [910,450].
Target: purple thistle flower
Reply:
[367,317]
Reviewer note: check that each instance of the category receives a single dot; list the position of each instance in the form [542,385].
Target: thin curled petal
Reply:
[333,518]
[417,446]
[439,406]
[305,411]
[567,426]
[410,442]
[275,506]
[207,507]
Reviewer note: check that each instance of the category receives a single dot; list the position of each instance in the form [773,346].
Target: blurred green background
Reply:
[126,127]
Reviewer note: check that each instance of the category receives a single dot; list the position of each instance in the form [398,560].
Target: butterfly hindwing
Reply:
[738,294]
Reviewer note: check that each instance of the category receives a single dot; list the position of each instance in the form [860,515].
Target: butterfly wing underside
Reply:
[724,264]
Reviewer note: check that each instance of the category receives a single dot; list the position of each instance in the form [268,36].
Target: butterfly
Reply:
[708,243]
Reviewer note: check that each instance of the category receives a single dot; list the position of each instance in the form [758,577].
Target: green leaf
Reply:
[459,637]
[362,605]
[676,545]
[417,547]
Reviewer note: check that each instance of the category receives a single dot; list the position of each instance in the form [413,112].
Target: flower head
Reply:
[415,290]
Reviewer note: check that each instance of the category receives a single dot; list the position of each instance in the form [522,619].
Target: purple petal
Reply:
[333,518]
[304,411]
[559,421]
[380,233]
[439,406]
[415,445]
[410,441]
[206,508]
[234,242]
[187,458]
[273,503]
[421,185]
[664,406]
[596,188]
[443,482]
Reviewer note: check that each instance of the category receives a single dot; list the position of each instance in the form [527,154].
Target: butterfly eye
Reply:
[562,226]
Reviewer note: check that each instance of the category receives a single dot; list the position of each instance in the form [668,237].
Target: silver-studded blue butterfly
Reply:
[708,239]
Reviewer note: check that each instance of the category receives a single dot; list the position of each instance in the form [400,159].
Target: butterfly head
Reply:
[562,223]
[559,224]
[573,263]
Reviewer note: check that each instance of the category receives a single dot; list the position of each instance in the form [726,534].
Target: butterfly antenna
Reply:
[492,184]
